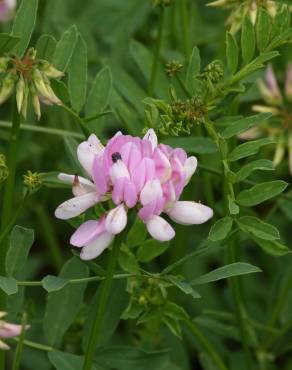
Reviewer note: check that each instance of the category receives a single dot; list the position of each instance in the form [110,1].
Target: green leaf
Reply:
[258,228]
[100,93]
[244,124]
[260,164]
[194,67]
[173,325]
[280,39]
[196,144]
[261,192]
[7,42]
[127,260]
[182,285]
[137,233]
[65,48]
[234,269]
[77,74]
[151,249]
[46,46]
[231,52]
[220,229]
[232,206]
[131,358]
[67,361]
[248,149]
[247,40]
[272,247]
[263,29]
[175,311]
[23,25]
[8,285]
[21,240]
[63,306]
[53,283]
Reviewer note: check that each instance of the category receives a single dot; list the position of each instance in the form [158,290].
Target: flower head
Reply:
[7,8]
[28,76]
[133,173]
[8,330]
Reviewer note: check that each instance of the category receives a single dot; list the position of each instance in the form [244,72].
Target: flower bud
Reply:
[20,87]
[7,87]
[217,3]
[32,180]
[49,70]
[3,64]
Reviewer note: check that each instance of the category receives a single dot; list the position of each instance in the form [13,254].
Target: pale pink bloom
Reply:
[8,330]
[269,88]
[7,8]
[132,172]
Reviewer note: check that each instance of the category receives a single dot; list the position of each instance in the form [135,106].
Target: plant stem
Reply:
[7,207]
[83,126]
[185,27]
[19,347]
[102,303]
[35,345]
[156,53]
[206,345]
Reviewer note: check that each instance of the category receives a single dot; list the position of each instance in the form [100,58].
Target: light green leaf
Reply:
[231,52]
[194,67]
[21,240]
[220,229]
[7,42]
[247,149]
[244,124]
[182,285]
[260,164]
[100,93]
[234,269]
[23,25]
[63,306]
[77,74]
[8,285]
[151,249]
[175,311]
[261,192]
[127,260]
[272,247]
[263,29]
[258,228]
[247,40]
[137,233]
[45,47]
[53,283]
[195,144]
[65,48]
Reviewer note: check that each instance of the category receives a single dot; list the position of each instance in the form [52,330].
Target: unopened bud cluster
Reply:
[213,72]
[32,180]
[173,67]
[30,77]
[4,172]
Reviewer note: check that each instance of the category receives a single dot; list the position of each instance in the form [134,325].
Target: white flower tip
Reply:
[116,220]
[160,229]
[190,167]
[190,213]
[152,137]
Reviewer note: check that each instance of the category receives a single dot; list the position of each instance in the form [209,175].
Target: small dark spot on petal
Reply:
[116,156]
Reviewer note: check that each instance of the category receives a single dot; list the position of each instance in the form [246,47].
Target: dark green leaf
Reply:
[7,42]
[261,192]
[272,247]
[182,285]
[21,240]
[263,29]
[248,149]
[260,164]
[247,40]
[77,73]
[234,269]
[220,229]
[196,144]
[8,285]
[65,48]
[137,233]
[127,260]
[67,361]
[175,311]
[193,68]
[23,25]
[53,283]
[231,52]
[151,249]
[45,47]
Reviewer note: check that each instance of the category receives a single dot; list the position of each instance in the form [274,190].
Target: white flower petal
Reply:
[190,168]
[151,191]
[152,137]
[119,170]
[189,213]
[160,229]
[95,248]
[87,151]
[75,206]
[116,220]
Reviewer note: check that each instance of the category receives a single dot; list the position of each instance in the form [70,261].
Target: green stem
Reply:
[83,126]
[156,53]
[185,27]
[7,208]
[102,303]
[19,347]
[206,345]
[35,345]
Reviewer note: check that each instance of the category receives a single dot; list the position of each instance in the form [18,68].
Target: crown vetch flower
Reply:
[8,330]
[7,8]
[133,172]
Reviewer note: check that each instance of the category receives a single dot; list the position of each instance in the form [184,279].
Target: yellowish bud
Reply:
[20,87]
[7,87]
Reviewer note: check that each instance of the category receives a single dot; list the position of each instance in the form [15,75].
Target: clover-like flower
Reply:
[8,330]
[279,103]
[29,76]
[133,173]
[7,8]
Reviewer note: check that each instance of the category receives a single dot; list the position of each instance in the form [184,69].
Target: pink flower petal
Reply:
[160,229]
[87,232]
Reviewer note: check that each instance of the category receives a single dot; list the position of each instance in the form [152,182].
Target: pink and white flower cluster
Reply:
[8,330]
[7,8]
[133,172]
